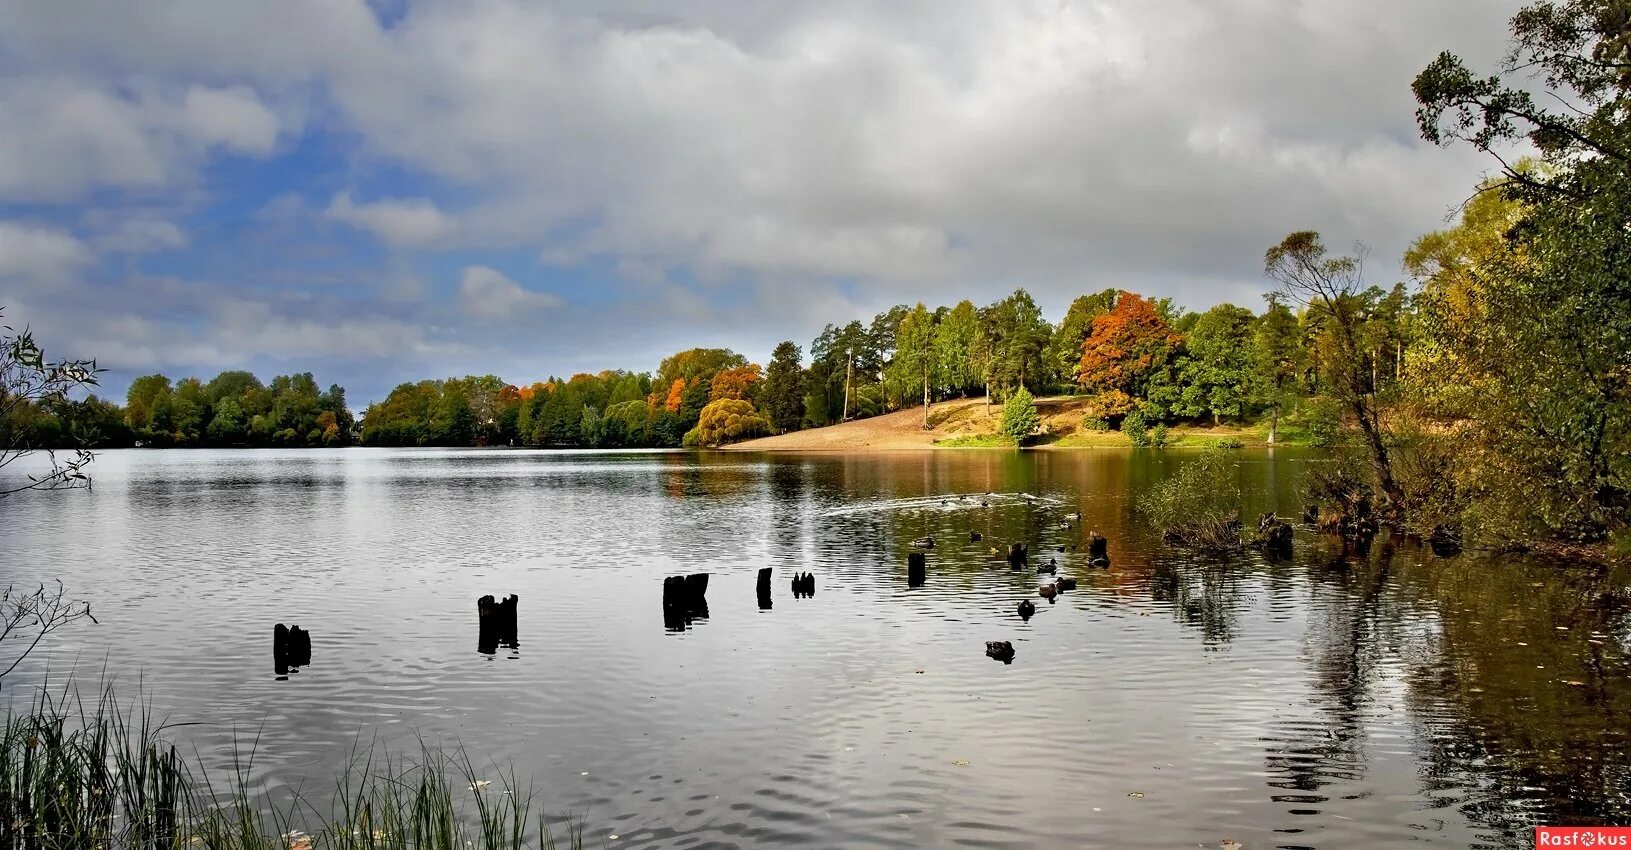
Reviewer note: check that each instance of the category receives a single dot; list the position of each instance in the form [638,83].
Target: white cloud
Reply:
[412,221]
[32,251]
[68,136]
[486,293]
[232,117]
[140,234]
[732,162]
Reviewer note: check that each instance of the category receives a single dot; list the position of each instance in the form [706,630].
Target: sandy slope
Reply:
[902,429]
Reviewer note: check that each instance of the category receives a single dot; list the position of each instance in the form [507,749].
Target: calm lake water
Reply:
[1169,701]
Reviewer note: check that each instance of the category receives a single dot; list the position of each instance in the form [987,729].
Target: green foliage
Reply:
[782,396]
[726,421]
[915,369]
[1199,505]
[1094,423]
[1229,443]
[1134,426]
[1158,435]
[1019,418]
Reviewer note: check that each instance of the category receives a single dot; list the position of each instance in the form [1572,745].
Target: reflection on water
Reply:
[1347,694]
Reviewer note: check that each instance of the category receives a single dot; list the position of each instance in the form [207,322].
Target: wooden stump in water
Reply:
[1098,547]
[496,623]
[917,568]
[1018,555]
[291,648]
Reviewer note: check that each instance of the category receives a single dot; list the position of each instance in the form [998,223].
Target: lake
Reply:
[1171,700]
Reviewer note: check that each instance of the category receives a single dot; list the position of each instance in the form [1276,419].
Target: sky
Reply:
[387,191]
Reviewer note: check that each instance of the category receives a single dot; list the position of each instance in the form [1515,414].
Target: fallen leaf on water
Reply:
[1575,683]
[480,784]
[1137,794]
[961,762]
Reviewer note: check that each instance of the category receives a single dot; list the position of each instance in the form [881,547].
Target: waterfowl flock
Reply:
[1017,554]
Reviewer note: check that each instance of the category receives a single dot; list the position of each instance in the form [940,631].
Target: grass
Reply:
[78,775]
[978,441]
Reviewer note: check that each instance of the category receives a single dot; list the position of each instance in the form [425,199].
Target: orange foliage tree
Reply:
[1126,345]
[735,383]
[676,394]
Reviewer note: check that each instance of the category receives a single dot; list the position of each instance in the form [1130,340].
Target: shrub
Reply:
[1199,505]
[1158,435]
[1091,423]
[1136,429]
[1229,443]
[1019,419]
[726,421]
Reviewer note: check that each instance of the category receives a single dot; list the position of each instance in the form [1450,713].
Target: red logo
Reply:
[1583,836]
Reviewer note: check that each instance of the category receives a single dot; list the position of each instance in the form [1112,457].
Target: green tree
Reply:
[1329,288]
[782,396]
[914,367]
[1278,358]
[1018,337]
[1219,369]
[147,406]
[954,344]
[1019,417]
[1065,349]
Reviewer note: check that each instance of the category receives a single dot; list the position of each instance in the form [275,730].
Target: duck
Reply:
[1101,563]
[1073,517]
[973,537]
[1026,609]
[1000,649]
[984,504]
[924,543]
[1050,567]
[1047,590]
[1066,583]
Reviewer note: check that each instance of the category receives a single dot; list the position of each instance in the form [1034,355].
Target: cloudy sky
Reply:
[391,190]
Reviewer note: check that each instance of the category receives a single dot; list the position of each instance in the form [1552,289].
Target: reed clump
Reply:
[78,774]
[1199,505]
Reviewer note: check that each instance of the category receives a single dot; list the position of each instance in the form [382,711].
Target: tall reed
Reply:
[105,776]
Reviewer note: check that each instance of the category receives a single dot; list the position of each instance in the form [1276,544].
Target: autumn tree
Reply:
[1551,355]
[1125,347]
[726,421]
[738,383]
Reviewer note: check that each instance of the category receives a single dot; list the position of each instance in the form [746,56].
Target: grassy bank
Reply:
[100,775]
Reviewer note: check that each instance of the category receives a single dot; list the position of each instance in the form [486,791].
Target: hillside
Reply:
[968,419]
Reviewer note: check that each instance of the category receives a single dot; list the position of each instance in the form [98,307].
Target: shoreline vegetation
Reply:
[75,774]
